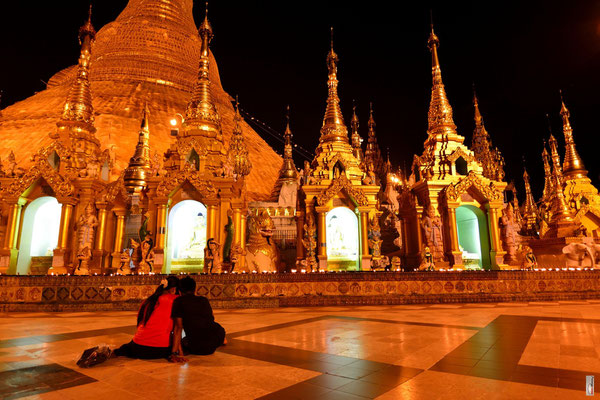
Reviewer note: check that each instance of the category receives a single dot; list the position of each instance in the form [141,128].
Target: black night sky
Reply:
[271,53]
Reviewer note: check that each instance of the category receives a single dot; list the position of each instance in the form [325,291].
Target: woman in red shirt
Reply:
[152,338]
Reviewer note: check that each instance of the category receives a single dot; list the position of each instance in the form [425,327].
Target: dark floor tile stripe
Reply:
[24,382]
[65,336]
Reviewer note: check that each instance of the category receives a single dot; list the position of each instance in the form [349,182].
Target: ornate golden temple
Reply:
[137,161]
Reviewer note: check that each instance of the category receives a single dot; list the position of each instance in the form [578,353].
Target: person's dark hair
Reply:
[149,304]
[187,285]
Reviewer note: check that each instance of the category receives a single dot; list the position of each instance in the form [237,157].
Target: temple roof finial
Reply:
[333,128]
[573,164]
[201,116]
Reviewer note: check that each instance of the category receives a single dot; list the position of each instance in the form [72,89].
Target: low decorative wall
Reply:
[95,293]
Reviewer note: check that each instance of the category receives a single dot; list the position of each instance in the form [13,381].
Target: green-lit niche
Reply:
[39,237]
[342,239]
[186,237]
[473,236]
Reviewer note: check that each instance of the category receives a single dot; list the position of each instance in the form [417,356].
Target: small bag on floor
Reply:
[94,356]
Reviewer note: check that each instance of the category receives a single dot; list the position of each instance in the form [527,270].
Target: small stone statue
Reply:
[427,263]
[125,263]
[236,254]
[396,263]
[146,264]
[211,255]
[432,229]
[529,261]
[12,170]
[83,256]
[375,241]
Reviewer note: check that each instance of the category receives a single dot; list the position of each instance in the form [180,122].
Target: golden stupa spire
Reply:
[441,125]
[572,165]
[356,139]
[530,211]
[556,166]
[548,185]
[78,110]
[333,129]
[201,116]
[373,152]
[288,170]
[238,152]
[138,170]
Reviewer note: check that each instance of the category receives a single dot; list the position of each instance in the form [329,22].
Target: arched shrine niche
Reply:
[343,247]
[473,237]
[39,236]
[186,237]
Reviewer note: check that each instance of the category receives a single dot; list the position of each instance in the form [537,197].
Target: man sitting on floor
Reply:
[194,315]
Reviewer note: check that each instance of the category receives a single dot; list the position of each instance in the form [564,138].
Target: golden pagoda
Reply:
[355,137]
[337,190]
[580,195]
[451,189]
[530,214]
[103,208]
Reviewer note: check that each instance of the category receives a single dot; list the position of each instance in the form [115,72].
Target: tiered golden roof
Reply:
[529,208]
[488,156]
[573,164]
[441,125]
[201,116]
[373,152]
[333,129]
[288,172]
[334,147]
[139,169]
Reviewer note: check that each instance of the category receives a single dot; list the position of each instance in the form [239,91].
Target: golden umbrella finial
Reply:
[573,164]
[333,122]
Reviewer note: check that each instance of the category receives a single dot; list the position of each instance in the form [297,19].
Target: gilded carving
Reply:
[59,184]
[454,191]
[342,183]
[189,174]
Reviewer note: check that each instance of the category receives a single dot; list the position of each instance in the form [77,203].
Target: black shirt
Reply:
[197,315]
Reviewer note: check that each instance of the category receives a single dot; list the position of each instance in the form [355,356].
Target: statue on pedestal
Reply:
[86,227]
[432,233]
[263,254]
[212,258]
[310,242]
[396,264]
[510,237]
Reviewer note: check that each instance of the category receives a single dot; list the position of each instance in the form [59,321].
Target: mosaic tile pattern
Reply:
[271,290]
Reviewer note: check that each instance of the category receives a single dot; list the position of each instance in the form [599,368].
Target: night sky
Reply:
[272,53]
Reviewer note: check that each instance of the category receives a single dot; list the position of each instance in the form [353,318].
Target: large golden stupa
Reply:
[150,53]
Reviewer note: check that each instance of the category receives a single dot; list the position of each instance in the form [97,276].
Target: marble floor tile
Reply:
[474,351]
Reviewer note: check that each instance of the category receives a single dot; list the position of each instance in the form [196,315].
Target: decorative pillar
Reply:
[60,260]
[299,235]
[212,221]
[161,226]
[237,226]
[118,243]
[496,251]
[243,222]
[10,253]
[365,264]
[453,233]
[321,238]
[98,254]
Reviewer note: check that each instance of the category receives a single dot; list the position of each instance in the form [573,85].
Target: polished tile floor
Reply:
[472,351]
